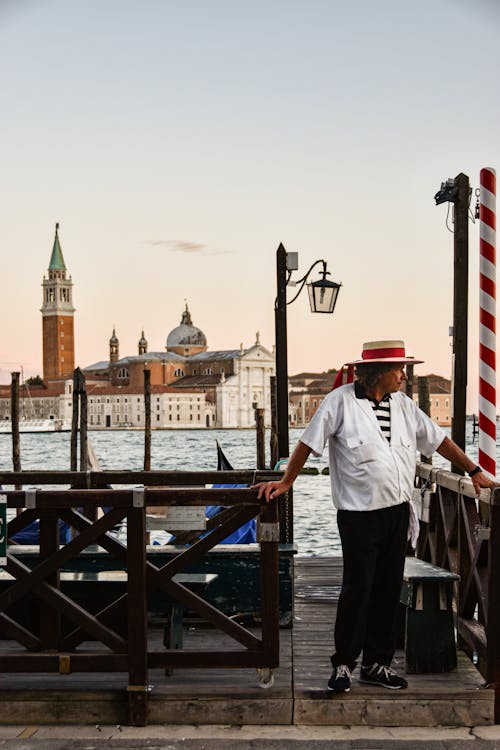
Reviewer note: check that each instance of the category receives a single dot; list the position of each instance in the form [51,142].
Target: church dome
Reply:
[186,334]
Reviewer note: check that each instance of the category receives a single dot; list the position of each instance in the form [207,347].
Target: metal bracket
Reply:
[268,532]
[482,533]
[64,664]
[426,506]
[419,597]
[30,498]
[138,497]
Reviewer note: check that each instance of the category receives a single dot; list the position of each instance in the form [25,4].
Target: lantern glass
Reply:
[323,295]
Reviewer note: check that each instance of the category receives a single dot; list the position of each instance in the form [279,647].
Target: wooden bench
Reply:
[429,630]
[95,589]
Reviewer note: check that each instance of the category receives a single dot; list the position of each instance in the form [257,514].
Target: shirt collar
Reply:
[360,392]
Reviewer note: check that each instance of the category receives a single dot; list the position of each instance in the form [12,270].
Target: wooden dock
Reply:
[233,696]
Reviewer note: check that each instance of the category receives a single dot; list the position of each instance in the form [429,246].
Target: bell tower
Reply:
[57,318]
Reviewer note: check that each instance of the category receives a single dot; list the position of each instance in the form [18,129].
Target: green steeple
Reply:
[57,260]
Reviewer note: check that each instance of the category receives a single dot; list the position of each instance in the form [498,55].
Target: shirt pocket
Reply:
[405,444]
[362,453]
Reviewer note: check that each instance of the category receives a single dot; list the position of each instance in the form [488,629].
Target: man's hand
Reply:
[481,481]
[271,490]
[451,451]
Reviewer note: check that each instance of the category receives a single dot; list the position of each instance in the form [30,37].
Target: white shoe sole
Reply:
[382,684]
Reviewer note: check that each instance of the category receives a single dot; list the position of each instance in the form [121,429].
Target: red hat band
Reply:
[386,353]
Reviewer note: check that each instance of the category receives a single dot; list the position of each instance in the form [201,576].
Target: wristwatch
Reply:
[476,470]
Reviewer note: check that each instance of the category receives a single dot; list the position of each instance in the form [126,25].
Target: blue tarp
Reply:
[246,534]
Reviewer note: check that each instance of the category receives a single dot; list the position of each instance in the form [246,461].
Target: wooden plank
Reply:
[430,700]
[232,696]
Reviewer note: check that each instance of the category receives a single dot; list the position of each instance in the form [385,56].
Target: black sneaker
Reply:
[340,681]
[378,674]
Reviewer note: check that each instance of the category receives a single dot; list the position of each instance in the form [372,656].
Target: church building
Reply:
[234,381]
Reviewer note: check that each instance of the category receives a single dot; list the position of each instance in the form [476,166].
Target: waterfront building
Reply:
[307,391]
[234,382]
[441,399]
[50,400]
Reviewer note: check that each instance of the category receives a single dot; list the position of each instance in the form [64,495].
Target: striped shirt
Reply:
[382,409]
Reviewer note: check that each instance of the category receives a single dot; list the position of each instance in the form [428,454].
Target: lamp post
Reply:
[322,298]
[456,191]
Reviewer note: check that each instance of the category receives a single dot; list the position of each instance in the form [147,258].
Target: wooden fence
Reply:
[52,646]
[461,533]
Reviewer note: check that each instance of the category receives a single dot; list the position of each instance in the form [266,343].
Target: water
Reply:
[315,527]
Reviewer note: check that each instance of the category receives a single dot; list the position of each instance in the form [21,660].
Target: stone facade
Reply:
[115,408]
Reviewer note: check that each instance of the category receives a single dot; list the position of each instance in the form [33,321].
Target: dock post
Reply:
[273,440]
[409,381]
[74,422]
[138,687]
[261,437]
[14,419]
[84,453]
[493,626]
[147,420]
[424,403]
[460,311]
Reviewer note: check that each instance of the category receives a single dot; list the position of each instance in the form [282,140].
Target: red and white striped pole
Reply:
[487,321]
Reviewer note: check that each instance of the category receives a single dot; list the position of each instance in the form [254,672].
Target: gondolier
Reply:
[373,431]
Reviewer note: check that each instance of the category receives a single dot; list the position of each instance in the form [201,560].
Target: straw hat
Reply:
[384,351]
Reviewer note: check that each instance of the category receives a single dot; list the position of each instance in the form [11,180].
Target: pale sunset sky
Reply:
[179,142]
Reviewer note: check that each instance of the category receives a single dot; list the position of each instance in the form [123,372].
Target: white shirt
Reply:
[366,471]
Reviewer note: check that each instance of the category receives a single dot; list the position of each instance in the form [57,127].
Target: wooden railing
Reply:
[461,533]
[52,646]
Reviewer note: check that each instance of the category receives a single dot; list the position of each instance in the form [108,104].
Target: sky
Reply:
[178,143]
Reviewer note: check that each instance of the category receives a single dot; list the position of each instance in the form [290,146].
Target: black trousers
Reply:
[373,546]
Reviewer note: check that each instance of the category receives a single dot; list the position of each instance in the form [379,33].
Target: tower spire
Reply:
[57,260]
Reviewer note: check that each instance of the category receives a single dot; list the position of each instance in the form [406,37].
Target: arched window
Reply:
[123,373]
[208,371]
[179,373]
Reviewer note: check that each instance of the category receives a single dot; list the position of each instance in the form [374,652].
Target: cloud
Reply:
[184,246]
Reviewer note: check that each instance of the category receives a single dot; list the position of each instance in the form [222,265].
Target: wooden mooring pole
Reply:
[493,624]
[261,438]
[14,419]
[460,310]
[409,381]
[84,452]
[273,440]
[147,420]
[74,421]
[424,403]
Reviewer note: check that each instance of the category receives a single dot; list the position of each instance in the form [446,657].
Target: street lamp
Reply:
[322,298]
[457,191]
